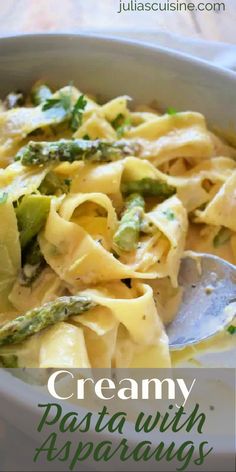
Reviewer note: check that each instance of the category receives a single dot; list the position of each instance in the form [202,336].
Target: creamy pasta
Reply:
[98,205]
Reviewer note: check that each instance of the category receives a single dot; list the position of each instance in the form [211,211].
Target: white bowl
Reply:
[109,67]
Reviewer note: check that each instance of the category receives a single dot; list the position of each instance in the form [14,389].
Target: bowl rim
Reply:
[113,41]
[116,40]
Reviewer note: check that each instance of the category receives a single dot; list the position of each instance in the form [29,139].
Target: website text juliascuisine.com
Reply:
[170,6]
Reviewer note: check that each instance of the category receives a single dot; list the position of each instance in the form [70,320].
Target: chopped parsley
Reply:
[222,237]
[120,124]
[3,197]
[231,329]
[172,111]
[63,101]
[169,214]
[52,103]
[77,113]
[64,104]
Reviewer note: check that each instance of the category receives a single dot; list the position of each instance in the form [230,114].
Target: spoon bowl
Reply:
[209,300]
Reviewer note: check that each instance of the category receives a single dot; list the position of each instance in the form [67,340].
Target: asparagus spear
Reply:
[127,234]
[37,153]
[35,320]
[33,263]
[31,215]
[40,93]
[148,187]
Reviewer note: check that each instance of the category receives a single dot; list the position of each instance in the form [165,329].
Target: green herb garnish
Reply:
[64,102]
[231,329]
[55,103]
[172,111]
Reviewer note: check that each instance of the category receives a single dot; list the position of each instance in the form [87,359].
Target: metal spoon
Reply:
[209,285]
